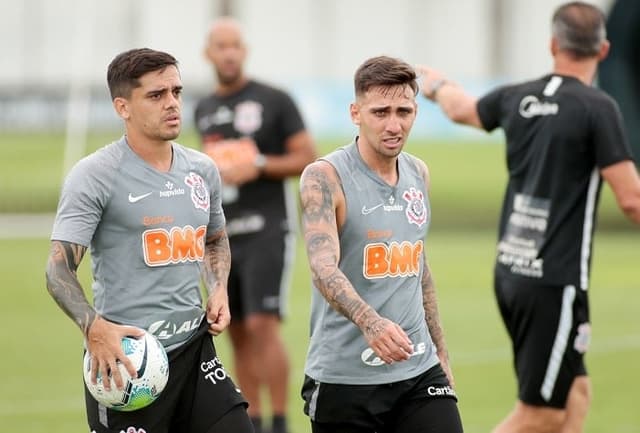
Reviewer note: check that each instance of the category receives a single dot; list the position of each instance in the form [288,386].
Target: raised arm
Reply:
[322,212]
[215,275]
[458,105]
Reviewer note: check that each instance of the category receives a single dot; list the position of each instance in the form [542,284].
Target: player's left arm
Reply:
[429,298]
[215,274]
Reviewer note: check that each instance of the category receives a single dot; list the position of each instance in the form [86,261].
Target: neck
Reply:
[224,89]
[156,153]
[583,69]
[385,167]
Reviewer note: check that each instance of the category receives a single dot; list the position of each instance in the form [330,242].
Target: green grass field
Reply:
[43,348]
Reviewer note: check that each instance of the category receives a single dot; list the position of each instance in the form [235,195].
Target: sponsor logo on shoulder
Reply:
[531,106]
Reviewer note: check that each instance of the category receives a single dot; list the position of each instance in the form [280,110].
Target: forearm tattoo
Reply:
[217,261]
[430,304]
[317,193]
[63,284]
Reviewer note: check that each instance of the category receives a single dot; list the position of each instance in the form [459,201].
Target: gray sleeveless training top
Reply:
[146,230]
[381,246]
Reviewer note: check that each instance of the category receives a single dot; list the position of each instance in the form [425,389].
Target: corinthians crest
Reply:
[199,192]
[416,210]
[248,117]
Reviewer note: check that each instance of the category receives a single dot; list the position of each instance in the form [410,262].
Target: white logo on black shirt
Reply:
[531,106]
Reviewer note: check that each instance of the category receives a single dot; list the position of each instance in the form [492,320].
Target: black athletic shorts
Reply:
[261,266]
[198,395]
[550,332]
[425,403]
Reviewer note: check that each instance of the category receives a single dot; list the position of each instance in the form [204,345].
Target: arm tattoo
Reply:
[217,261]
[323,250]
[430,304]
[343,298]
[63,284]
[316,193]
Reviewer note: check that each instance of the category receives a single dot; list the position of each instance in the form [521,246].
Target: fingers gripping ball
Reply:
[150,360]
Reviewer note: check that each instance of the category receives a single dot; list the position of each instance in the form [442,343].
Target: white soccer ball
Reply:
[150,360]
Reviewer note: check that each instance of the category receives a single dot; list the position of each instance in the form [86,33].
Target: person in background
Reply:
[563,138]
[377,359]
[150,211]
[257,137]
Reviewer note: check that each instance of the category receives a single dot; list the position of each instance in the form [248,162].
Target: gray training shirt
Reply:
[146,230]
[382,246]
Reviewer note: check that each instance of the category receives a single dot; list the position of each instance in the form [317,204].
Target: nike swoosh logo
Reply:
[135,198]
[143,363]
[368,210]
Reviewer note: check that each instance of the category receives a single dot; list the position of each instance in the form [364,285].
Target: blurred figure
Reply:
[257,137]
[377,359]
[563,137]
[151,212]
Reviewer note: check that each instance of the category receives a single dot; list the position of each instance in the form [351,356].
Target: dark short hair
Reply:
[386,72]
[126,68]
[579,28]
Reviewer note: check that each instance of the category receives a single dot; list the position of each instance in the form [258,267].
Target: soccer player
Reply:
[257,137]
[563,137]
[149,210]
[377,359]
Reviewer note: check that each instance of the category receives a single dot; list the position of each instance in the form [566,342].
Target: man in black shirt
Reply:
[563,137]
[256,136]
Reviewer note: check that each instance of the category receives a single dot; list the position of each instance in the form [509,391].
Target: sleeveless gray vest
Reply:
[381,245]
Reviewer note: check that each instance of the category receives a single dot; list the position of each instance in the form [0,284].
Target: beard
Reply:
[227,78]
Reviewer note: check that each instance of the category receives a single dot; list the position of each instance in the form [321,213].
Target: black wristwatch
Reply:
[435,86]
[260,161]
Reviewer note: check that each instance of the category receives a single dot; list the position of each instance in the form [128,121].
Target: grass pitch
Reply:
[42,348]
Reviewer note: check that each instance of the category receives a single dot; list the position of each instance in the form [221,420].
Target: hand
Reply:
[104,343]
[431,79]
[235,159]
[388,340]
[218,315]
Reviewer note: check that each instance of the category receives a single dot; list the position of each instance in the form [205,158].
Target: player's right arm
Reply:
[103,337]
[323,209]
[63,284]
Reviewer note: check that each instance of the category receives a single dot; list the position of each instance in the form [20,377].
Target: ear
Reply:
[604,50]
[554,47]
[206,53]
[354,111]
[121,106]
